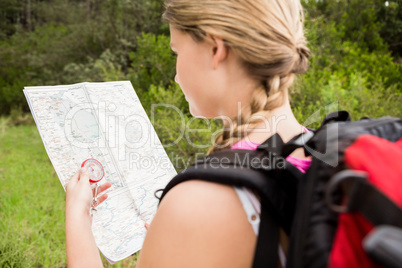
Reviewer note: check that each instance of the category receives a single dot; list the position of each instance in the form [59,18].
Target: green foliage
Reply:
[367,22]
[152,62]
[345,72]
[126,40]
[34,236]
[11,255]
[105,68]
[39,46]
[355,18]
[391,19]
[9,11]
[184,137]
[335,91]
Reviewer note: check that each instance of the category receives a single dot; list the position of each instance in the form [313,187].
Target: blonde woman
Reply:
[230,54]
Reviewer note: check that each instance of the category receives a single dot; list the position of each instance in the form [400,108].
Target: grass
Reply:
[32,203]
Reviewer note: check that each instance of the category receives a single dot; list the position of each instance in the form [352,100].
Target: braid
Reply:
[264,99]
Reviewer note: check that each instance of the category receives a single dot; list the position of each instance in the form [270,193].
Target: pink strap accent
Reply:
[301,164]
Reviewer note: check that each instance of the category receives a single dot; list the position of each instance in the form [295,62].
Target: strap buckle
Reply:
[344,182]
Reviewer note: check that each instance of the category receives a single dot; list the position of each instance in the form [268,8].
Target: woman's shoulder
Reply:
[198,193]
[202,222]
[212,204]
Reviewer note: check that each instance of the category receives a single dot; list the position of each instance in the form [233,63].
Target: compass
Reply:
[95,169]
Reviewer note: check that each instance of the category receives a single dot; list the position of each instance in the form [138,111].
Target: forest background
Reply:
[355,65]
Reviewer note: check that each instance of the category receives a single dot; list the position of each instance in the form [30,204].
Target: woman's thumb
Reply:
[83,175]
[73,179]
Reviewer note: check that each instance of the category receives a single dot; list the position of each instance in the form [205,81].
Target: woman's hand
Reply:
[79,194]
[80,243]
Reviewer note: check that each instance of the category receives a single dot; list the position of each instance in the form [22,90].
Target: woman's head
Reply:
[266,35]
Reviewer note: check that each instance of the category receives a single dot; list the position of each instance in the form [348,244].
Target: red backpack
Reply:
[374,202]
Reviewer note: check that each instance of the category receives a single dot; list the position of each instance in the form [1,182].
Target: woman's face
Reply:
[211,76]
[195,74]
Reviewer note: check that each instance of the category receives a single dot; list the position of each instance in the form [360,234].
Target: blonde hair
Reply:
[268,37]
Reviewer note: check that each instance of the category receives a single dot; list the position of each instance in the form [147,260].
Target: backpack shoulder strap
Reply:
[273,178]
[263,171]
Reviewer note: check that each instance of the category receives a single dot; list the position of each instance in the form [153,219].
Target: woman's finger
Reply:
[102,188]
[146,225]
[101,198]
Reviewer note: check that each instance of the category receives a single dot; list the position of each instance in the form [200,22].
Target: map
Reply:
[107,122]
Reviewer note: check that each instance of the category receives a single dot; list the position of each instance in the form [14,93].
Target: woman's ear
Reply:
[219,50]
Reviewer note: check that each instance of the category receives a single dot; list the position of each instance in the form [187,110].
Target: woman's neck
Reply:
[279,120]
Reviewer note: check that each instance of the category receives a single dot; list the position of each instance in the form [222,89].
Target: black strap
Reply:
[273,145]
[259,171]
[276,185]
[373,204]
[298,141]
[384,245]
[266,252]
[337,116]
[363,197]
